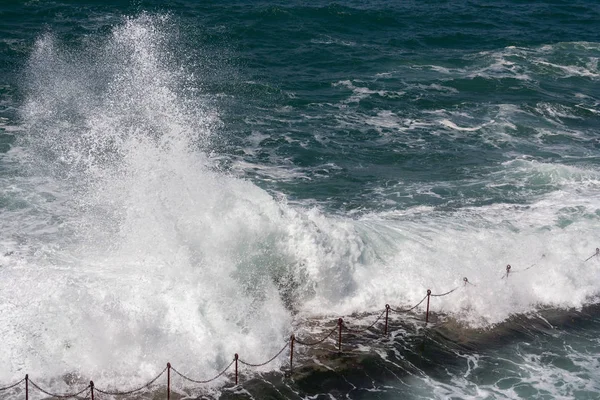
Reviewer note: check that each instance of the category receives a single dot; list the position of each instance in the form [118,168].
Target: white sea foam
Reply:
[527,64]
[279,173]
[573,70]
[478,243]
[452,125]
[361,92]
[329,40]
[555,366]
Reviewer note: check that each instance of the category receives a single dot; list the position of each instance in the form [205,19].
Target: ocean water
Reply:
[182,181]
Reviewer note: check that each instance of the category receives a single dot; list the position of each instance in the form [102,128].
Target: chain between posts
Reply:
[117,393]
[266,362]
[368,327]
[445,294]
[596,254]
[509,269]
[14,384]
[58,396]
[412,308]
[318,341]
[207,380]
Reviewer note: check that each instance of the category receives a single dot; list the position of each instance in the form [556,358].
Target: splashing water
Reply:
[151,254]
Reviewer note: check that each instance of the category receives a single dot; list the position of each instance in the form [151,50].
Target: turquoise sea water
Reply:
[181,181]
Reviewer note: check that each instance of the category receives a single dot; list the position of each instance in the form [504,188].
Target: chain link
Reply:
[206,381]
[365,329]
[445,294]
[317,342]
[412,308]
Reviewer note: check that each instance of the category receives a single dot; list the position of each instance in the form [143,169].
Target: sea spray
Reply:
[155,256]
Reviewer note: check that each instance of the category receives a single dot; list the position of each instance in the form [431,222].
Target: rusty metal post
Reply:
[168,381]
[340,323]
[236,368]
[92,389]
[387,311]
[427,313]
[292,339]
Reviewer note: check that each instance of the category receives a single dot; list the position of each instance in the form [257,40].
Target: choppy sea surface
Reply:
[182,181]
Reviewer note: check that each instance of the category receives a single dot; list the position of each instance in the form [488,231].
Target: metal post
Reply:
[340,323]
[292,339]
[387,311]
[168,381]
[26,386]
[427,313]
[236,368]
[92,389]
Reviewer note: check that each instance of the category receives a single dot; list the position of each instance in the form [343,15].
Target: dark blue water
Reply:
[184,176]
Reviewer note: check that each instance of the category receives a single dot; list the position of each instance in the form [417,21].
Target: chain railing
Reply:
[340,326]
